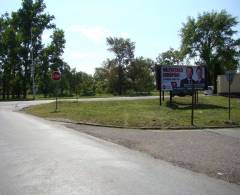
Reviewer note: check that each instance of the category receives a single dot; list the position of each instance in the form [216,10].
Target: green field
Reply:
[210,111]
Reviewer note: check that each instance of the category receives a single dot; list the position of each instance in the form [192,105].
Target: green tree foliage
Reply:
[113,77]
[20,43]
[21,47]
[43,73]
[51,60]
[210,38]
[123,50]
[106,78]
[101,80]
[56,49]
[124,74]
[170,57]
[10,58]
[84,84]
[140,75]
[31,22]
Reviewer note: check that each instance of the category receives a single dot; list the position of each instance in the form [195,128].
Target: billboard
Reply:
[182,77]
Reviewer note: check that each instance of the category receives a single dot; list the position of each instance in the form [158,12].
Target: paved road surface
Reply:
[214,152]
[42,157]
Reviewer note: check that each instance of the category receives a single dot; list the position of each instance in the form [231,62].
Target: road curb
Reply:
[142,128]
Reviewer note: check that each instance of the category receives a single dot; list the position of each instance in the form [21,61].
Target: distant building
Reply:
[222,85]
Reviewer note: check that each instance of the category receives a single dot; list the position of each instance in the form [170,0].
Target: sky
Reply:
[154,25]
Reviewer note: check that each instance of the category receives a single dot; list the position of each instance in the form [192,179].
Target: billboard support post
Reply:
[160,97]
[197,96]
[160,86]
[193,98]
[171,97]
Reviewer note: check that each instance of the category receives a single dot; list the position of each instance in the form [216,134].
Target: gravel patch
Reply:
[211,152]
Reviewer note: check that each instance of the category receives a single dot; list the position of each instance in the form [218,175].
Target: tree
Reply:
[57,49]
[170,57]
[140,75]
[21,45]
[43,72]
[101,79]
[210,39]
[85,84]
[66,76]
[9,58]
[20,42]
[124,54]
[108,78]
[32,21]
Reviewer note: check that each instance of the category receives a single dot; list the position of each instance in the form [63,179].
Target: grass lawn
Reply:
[211,111]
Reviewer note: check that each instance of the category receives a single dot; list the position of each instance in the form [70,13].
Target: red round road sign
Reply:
[56,75]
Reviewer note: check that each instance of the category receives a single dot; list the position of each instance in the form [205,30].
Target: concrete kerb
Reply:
[142,128]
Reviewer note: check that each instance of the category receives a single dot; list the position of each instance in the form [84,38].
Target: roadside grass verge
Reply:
[41,97]
[210,111]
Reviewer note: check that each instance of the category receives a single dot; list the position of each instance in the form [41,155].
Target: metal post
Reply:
[159,81]
[197,96]
[160,96]
[56,96]
[229,101]
[192,115]
[56,104]
[170,97]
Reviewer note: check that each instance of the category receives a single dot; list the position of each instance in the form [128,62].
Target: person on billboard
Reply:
[200,79]
[174,85]
[188,81]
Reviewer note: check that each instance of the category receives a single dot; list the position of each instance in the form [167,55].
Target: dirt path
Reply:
[215,153]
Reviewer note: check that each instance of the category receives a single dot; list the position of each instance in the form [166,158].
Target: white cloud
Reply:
[85,61]
[88,58]
[96,33]
[78,55]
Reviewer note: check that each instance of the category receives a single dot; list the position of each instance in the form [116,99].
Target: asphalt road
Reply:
[214,152]
[43,157]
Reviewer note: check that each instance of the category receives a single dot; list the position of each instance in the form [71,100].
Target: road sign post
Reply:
[56,76]
[229,76]
[229,100]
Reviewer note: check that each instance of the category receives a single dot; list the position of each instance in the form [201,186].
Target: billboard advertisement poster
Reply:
[182,77]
